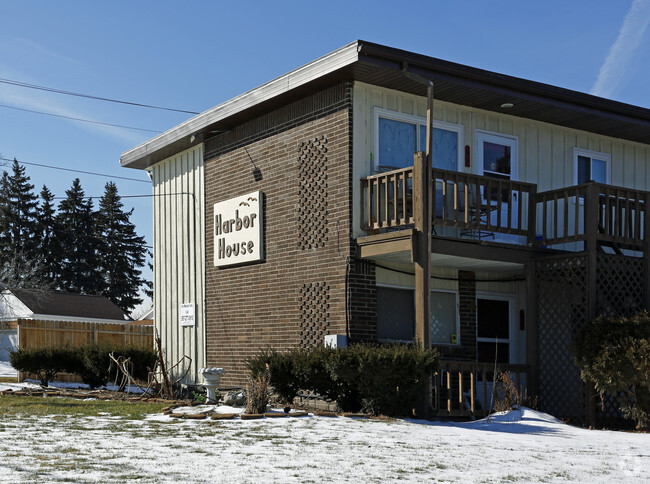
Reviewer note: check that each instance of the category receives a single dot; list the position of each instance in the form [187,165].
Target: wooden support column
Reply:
[532,382]
[591,249]
[422,249]
[646,251]
[422,200]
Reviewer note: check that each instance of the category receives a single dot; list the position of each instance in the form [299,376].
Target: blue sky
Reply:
[196,55]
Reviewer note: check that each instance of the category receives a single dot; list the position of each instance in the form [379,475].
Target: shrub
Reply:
[90,362]
[380,379]
[46,362]
[614,354]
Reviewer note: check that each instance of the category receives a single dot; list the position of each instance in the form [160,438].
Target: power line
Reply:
[78,119]
[71,93]
[74,171]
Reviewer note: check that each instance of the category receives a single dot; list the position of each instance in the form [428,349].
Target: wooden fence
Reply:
[33,333]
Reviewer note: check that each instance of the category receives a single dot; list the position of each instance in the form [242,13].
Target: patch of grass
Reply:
[8,379]
[13,406]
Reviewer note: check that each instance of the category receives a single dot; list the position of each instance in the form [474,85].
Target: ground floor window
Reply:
[396,315]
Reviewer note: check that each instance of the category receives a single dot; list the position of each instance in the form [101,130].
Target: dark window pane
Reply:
[395,313]
[486,352]
[584,169]
[496,158]
[493,318]
[445,147]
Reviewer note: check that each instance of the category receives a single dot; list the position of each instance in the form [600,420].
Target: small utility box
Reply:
[336,340]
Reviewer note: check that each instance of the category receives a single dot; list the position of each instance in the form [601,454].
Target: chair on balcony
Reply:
[478,212]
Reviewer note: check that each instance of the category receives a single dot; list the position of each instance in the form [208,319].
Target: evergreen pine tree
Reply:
[47,232]
[122,252]
[78,243]
[18,208]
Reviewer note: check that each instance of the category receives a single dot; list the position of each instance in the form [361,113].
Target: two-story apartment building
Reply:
[289,213]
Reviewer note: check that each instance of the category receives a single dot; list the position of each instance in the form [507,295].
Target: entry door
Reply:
[494,321]
[497,158]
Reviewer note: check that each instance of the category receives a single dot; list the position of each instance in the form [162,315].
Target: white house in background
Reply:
[30,304]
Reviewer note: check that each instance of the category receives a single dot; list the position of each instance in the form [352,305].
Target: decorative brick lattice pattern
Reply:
[312,179]
[314,313]
[561,311]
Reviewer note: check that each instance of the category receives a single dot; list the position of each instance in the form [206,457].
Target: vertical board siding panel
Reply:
[544,179]
[531,154]
[571,141]
[556,163]
[639,168]
[178,270]
[200,259]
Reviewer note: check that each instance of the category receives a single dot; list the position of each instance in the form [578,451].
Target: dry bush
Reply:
[506,394]
[258,392]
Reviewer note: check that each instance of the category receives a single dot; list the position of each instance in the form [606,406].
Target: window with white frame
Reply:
[591,166]
[396,315]
[398,136]
[444,317]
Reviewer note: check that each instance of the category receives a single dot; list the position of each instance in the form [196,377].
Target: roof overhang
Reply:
[397,69]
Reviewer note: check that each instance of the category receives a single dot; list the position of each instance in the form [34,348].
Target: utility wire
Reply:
[71,93]
[78,119]
[74,171]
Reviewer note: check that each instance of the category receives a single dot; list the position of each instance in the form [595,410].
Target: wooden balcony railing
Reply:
[462,388]
[387,199]
[602,213]
[481,204]
[471,202]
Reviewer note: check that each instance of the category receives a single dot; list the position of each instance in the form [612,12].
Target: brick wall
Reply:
[467,310]
[300,157]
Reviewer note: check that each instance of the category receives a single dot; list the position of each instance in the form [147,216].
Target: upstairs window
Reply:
[591,166]
[398,136]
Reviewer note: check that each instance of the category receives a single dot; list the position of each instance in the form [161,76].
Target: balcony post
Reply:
[591,248]
[646,249]
[422,249]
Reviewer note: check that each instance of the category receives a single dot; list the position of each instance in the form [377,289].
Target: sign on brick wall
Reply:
[238,225]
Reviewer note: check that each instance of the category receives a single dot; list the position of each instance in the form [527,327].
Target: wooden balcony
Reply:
[590,213]
[468,389]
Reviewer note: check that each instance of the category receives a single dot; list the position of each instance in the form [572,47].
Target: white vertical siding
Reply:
[179,255]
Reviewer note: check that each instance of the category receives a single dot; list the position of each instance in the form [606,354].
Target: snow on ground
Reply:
[524,446]
[6,370]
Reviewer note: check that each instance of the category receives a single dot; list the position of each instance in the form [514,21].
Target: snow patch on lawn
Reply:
[522,445]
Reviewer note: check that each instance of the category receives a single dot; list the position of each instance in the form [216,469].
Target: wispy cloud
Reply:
[32,100]
[623,49]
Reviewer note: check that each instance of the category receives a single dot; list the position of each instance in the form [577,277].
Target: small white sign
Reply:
[238,225]
[187,314]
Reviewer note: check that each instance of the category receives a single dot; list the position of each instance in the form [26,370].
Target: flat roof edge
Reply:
[145,154]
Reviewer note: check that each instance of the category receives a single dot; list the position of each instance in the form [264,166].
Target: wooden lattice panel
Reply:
[561,311]
[314,313]
[312,191]
[620,285]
